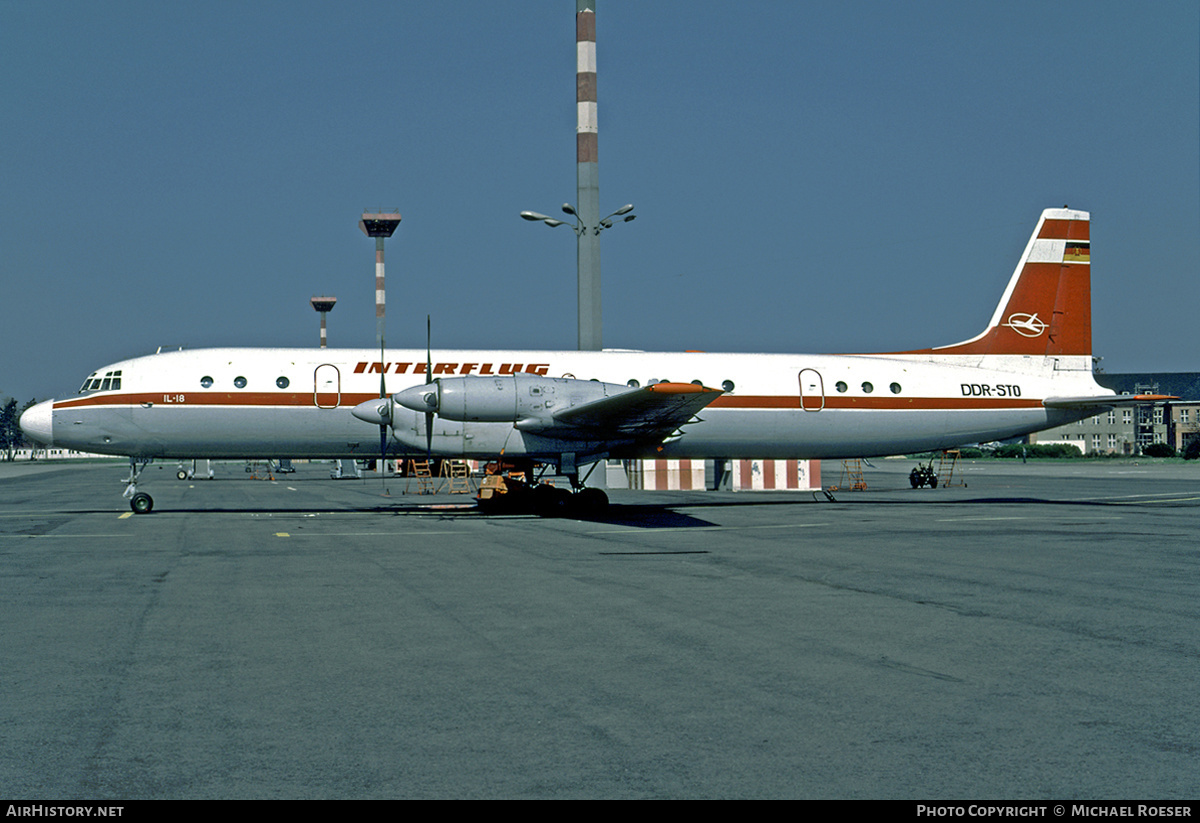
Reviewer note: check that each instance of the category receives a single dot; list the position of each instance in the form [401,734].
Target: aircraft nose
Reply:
[38,423]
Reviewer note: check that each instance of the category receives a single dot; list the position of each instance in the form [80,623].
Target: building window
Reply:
[1127,416]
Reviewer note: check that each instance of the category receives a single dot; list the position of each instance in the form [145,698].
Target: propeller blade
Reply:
[428,380]
[384,423]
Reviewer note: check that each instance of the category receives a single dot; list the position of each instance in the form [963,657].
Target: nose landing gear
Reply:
[140,502]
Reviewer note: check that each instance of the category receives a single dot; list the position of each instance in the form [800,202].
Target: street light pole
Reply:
[588,224]
[587,175]
[587,235]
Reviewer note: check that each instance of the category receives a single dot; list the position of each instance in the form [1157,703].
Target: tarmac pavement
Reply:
[1032,635]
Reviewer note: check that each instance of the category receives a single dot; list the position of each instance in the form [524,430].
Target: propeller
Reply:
[428,380]
[385,417]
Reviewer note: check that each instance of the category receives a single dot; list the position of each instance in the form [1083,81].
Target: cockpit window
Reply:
[110,382]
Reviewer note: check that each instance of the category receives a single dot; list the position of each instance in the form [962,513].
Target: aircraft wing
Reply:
[1104,401]
[656,410]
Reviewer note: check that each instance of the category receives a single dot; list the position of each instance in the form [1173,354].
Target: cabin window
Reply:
[727,385]
[867,388]
[895,387]
[635,384]
[282,382]
[697,383]
[239,382]
[206,382]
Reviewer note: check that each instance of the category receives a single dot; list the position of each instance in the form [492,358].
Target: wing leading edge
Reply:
[655,411]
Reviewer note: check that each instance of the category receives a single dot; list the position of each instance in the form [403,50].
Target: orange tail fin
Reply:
[1047,307]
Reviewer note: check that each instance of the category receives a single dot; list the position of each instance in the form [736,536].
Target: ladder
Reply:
[425,482]
[458,476]
[852,477]
[252,468]
[947,463]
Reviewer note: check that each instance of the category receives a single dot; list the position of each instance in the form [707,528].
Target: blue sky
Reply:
[819,177]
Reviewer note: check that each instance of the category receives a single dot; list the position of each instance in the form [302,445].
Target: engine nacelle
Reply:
[507,399]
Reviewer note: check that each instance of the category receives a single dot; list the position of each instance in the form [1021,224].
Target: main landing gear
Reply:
[555,501]
[508,488]
[140,502]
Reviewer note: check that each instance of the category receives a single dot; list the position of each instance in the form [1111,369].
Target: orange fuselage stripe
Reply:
[347,400]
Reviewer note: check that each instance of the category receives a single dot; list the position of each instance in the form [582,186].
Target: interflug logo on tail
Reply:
[1026,325]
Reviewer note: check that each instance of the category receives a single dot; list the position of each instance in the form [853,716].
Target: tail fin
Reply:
[1047,307]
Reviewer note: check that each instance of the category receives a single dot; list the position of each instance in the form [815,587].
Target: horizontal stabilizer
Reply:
[1104,401]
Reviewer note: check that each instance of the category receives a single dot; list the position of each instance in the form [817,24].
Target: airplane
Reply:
[1030,369]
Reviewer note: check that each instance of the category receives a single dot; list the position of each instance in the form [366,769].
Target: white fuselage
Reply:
[242,403]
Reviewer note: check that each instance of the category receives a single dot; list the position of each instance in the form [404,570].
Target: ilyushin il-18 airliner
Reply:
[1030,369]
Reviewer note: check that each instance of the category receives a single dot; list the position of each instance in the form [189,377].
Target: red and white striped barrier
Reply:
[782,475]
[673,475]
